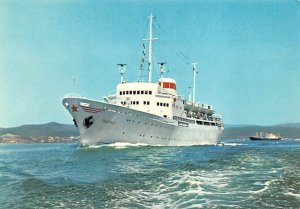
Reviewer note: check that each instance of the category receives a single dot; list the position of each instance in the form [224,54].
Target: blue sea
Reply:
[233,174]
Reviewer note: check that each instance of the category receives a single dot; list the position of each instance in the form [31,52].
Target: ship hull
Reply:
[103,123]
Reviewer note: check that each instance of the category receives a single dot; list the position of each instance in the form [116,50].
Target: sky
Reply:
[248,54]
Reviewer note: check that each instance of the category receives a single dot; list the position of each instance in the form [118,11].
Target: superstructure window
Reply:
[148,103]
[162,104]
[137,92]
[146,92]
[142,92]
[134,92]
[120,92]
[127,92]
[130,92]
[150,92]
[137,102]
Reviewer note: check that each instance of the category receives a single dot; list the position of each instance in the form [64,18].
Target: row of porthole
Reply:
[152,136]
[149,124]
[127,113]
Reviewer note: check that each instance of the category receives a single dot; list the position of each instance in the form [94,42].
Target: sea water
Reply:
[233,174]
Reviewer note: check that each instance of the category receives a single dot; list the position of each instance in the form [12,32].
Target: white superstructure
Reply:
[145,112]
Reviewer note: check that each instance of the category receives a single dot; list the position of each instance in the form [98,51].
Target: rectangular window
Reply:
[133,102]
[127,92]
[167,104]
[137,102]
[142,92]
[134,92]
[150,92]
[148,103]
[146,92]
[157,103]
[130,92]
[144,102]
[137,92]
[120,92]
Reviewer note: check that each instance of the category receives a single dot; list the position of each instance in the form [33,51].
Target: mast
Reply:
[194,83]
[150,49]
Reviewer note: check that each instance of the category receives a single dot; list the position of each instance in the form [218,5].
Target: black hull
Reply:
[254,138]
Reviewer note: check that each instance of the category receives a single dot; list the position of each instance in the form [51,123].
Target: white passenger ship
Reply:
[145,112]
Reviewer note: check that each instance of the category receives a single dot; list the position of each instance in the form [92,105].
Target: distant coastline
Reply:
[60,133]
[42,133]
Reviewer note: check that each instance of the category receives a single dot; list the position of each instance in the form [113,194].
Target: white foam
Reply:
[230,144]
[120,145]
[293,194]
[266,187]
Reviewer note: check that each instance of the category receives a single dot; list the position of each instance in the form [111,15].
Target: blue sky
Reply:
[248,54]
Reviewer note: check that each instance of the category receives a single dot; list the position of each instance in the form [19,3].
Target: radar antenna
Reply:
[190,93]
[162,69]
[122,71]
[194,82]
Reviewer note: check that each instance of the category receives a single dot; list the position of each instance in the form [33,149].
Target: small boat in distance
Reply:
[265,136]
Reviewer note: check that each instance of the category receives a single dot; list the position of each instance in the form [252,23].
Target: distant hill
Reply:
[48,129]
[290,130]
[56,132]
